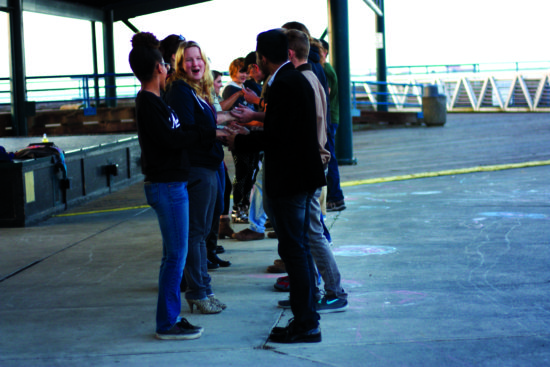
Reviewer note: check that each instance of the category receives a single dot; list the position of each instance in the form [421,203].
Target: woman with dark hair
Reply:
[165,164]
[168,48]
[189,93]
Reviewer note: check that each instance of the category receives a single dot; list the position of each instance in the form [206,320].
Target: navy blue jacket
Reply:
[191,110]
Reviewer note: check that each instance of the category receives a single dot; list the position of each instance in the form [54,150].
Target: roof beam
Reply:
[374,7]
[63,9]
[130,9]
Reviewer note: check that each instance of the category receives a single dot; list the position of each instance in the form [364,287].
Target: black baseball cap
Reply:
[250,59]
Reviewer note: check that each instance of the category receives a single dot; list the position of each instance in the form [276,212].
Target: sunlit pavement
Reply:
[440,271]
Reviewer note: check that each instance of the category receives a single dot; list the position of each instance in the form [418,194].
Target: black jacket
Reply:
[164,141]
[292,161]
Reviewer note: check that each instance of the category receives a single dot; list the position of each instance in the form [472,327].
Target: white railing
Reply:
[496,92]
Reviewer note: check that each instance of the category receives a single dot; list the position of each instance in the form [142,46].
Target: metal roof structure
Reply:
[109,11]
[95,10]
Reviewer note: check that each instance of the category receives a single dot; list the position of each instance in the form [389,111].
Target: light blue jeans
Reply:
[257,216]
[171,204]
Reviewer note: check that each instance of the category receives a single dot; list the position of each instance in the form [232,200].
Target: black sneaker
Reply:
[284,303]
[290,334]
[183,330]
[336,206]
[328,305]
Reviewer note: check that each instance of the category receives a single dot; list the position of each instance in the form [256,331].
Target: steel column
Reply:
[339,40]
[17,69]
[95,63]
[109,59]
[381,68]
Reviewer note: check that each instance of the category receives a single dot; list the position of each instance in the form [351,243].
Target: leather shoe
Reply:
[214,259]
[248,235]
[211,266]
[278,267]
[271,234]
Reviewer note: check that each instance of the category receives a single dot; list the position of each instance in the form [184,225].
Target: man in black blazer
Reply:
[293,171]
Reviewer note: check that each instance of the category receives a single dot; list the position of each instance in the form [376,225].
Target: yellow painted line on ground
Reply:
[446,173]
[103,211]
[451,172]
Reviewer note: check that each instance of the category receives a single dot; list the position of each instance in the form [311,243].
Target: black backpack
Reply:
[40,150]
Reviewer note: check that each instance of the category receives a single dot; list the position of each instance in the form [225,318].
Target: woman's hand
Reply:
[250,96]
[235,129]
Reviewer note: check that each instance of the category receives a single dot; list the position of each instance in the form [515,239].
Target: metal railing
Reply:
[497,87]
[87,90]
[398,96]
[504,87]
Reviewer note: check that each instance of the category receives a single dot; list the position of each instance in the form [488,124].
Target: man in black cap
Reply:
[293,171]
[254,81]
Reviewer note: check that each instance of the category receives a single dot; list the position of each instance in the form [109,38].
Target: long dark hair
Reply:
[145,55]
[169,46]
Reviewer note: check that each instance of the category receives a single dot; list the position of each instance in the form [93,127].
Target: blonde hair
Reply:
[205,86]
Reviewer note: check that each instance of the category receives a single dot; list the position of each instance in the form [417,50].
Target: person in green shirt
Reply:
[335,196]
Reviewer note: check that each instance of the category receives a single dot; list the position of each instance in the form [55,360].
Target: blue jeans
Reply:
[171,203]
[334,191]
[291,223]
[212,239]
[203,186]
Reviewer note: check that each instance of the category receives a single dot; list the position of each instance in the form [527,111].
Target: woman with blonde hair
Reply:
[189,93]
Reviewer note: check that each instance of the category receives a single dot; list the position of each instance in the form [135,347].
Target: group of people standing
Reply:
[179,117]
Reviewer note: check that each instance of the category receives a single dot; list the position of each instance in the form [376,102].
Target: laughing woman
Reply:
[165,164]
[189,93]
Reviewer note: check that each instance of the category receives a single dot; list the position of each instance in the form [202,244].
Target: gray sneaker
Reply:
[328,305]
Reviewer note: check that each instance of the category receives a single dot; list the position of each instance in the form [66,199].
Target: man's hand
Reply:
[242,114]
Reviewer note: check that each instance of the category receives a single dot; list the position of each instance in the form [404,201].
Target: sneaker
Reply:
[291,334]
[282,284]
[183,330]
[336,206]
[285,303]
[328,305]
[240,214]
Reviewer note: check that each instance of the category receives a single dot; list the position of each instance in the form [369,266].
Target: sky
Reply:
[418,32]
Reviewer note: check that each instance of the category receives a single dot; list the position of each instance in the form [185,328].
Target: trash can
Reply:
[434,106]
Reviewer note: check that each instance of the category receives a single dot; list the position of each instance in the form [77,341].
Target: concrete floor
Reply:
[441,271]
